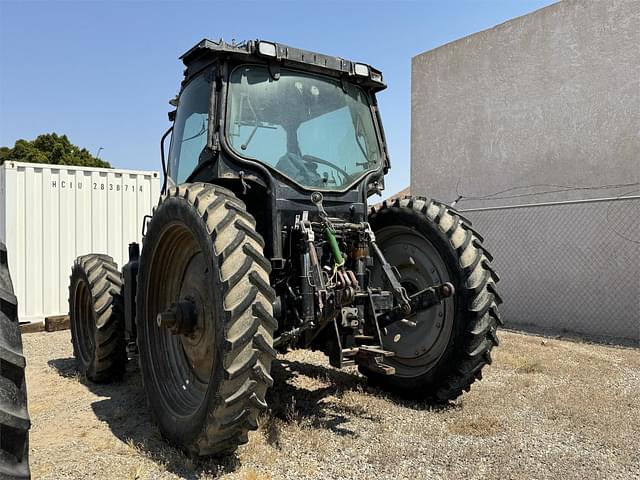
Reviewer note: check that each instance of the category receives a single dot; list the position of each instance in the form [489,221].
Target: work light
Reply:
[267,49]
[361,69]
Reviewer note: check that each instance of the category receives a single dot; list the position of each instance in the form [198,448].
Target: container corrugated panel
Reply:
[51,214]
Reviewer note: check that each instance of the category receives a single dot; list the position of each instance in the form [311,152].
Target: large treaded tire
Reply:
[211,221]
[14,418]
[475,318]
[97,317]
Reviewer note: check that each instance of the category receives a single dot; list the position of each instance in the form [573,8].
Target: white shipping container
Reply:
[50,214]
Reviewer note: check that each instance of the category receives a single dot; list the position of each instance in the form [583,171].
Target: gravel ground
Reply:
[545,409]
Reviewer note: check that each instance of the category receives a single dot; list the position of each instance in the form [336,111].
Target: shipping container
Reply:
[50,214]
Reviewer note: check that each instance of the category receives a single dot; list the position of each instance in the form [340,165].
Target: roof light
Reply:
[376,76]
[267,49]
[361,69]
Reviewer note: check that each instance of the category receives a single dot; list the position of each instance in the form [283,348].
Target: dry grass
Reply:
[545,409]
[530,366]
[484,426]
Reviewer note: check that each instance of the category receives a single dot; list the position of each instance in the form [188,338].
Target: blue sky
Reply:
[103,71]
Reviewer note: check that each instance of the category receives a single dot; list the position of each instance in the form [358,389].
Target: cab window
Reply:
[190,129]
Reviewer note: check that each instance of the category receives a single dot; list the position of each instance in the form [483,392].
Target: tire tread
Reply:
[479,299]
[14,415]
[249,322]
[104,280]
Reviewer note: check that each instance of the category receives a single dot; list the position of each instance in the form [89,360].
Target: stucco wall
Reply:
[549,98]
[546,103]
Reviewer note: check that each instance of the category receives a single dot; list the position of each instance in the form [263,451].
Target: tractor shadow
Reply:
[304,395]
[125,411]
[312,396]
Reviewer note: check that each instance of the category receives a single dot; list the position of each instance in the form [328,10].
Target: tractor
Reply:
[263,241]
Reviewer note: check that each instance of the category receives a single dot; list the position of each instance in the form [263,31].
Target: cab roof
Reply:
[206,51]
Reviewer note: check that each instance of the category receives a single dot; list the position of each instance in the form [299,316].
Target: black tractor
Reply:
[262,241]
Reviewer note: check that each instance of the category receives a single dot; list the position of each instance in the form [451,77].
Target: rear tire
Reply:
[206,385]
[445,353]
[96,317]
[14,418]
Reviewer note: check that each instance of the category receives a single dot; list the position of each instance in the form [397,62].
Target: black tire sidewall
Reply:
[79,275]
[178,209]
[13,394]
[416,220]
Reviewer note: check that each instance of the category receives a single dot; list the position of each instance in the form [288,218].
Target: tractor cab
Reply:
[310,119]
[260,116]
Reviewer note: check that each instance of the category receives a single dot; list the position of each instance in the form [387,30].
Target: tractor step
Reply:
[364,338]
[373,357]
[374,350]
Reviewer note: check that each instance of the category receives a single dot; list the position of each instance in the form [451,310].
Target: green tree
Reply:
[50,148]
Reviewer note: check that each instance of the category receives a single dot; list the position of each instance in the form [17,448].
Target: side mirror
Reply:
[172,115]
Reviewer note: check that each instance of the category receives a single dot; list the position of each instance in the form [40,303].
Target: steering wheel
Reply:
[312,159]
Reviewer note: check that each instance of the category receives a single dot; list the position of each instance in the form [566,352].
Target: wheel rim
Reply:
[180,364]
[84,322]
[417,349]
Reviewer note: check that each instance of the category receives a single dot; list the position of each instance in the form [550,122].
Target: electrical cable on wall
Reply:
[558,188]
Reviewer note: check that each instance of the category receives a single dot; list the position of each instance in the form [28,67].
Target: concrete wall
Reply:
[543,109]
[549,98]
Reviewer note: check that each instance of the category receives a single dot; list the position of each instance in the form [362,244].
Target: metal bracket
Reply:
[390,273]
[349,317]
[274,70]
[145,220]
[316,270]
[373,359]
[419,302]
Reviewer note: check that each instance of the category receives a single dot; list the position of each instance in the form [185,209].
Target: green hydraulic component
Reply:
[333,245]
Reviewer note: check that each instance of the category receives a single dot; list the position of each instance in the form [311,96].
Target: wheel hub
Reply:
[183,329]
[420,266]
[180,318]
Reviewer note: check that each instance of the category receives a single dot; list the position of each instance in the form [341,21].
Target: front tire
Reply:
[205,376]
[445,353]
